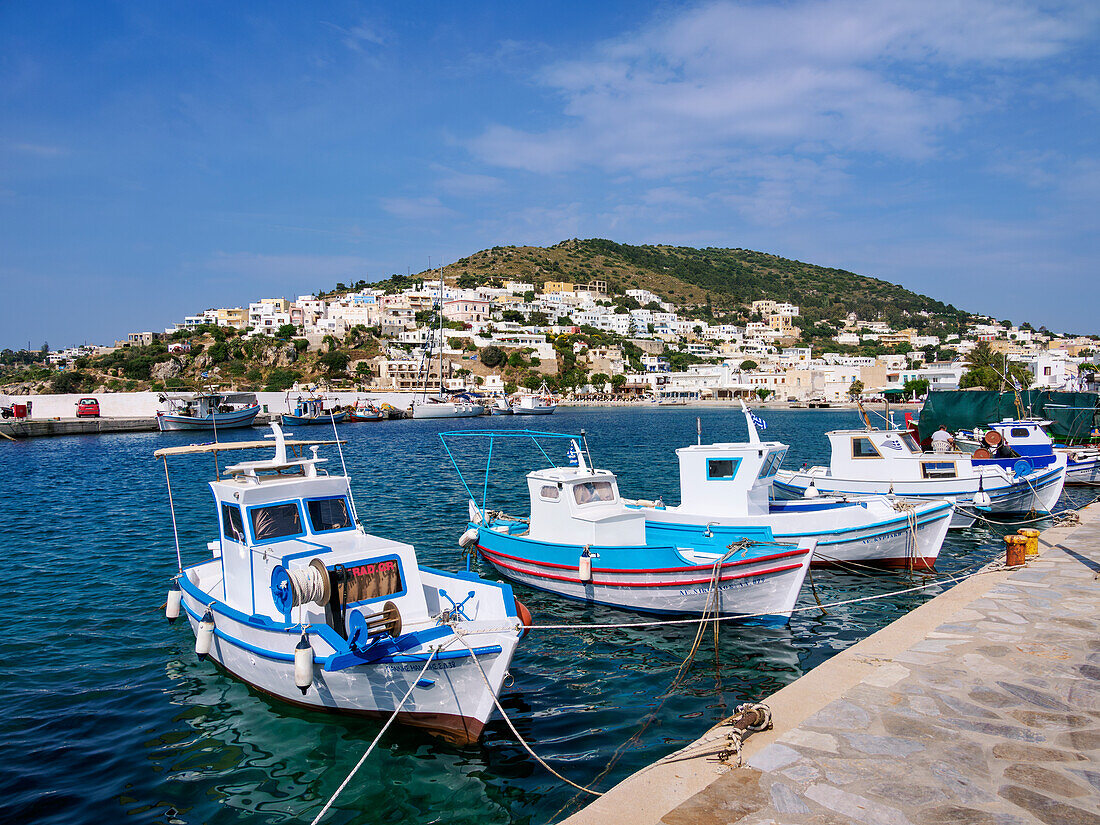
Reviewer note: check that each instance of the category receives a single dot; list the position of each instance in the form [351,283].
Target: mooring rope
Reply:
[519,738]
[389,722]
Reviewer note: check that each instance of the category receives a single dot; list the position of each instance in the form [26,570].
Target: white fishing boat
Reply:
[581,541]
[297,600]
[727,487]
[207,410]
[500,406]
[540,402]
[890,461]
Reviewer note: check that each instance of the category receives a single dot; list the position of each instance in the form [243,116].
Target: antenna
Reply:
[584,441]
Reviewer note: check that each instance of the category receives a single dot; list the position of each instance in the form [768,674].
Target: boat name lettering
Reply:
[417,666]
[370,569]
[692,591]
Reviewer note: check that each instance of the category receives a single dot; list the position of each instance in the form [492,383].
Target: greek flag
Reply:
[760,423]
[572,455]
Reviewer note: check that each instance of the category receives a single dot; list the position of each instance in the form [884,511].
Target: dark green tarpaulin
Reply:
[1074,414]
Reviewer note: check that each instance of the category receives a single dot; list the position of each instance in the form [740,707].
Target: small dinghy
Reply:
[301,603]
[583,542]
[727,487]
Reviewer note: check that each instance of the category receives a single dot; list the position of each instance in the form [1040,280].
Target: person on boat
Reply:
[942,440]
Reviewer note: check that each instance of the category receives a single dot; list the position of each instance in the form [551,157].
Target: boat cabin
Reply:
[883,455]
[284,514]
[728,479]
[578,505]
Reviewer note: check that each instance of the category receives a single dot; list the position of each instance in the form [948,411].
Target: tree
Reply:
[990,370]
[599,380]
[286,331]
[618,382]
[855,389]
[516,359]
[493,356]
[763,392]
[748,366]
[334,362]
[916,387]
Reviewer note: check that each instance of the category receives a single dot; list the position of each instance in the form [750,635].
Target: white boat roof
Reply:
[193,449]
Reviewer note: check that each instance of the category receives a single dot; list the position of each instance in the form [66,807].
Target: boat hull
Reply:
[451,700]
[1036,492]
[169,422]
[290,420]
[520,410]
[423,411]
[762,588]
[1084,471]
[876,531]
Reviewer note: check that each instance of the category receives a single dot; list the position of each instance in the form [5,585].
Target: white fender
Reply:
[172,609]
[584,567]
[303,664]
[982,499]
[811,491]
[469,538]
[204,635]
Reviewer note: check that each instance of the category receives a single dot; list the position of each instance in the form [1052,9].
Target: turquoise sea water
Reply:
[109,717]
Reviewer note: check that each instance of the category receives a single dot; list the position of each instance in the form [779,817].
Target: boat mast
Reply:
[441,328]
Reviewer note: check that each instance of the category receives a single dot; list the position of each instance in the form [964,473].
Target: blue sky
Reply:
[159,159]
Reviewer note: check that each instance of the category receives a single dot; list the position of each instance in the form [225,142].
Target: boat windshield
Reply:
[910,442]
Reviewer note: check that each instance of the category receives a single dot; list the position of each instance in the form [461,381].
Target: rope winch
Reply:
[302,585]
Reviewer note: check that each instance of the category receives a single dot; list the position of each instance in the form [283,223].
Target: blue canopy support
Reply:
[492,435]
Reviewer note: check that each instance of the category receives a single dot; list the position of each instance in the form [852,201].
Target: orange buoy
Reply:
[1032,536]
[1015,551]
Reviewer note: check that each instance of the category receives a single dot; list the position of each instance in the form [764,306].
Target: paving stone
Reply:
[1080,740]
[1048,810]
[1083,697]
[882,745]
[810,739]
[786,801]
[845,771]
[839,713]
[802,773]
[774,757]
[993,651]
[1047,720]
[1033,753]
[959,786]
[962,815]
[856,807]
[1045,780]
[1089,671]
[908,795]
[995,729]
[907,727]
[922,704]
[886,675]
[965,708]
[1092,777]
[992,698]
[1035,697]
[731,797]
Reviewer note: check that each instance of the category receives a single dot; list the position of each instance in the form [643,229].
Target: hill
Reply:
[711,282]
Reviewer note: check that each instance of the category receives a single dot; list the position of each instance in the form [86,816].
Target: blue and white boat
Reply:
[727,487]
[890,461]
[207,410]
[296,599]
[310,410]
[1029,439]
[583,542]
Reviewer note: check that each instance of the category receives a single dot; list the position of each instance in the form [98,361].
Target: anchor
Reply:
[457,606]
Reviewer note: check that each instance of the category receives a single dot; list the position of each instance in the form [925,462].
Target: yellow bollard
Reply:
[1032,536]
[1015,551]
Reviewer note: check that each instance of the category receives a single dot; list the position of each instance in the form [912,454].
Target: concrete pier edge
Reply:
[685,786]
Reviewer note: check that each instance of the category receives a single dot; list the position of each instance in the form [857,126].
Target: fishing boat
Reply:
[297,600]
[310,410]
[1031,439]
[583,542]
[207,410]
[540,402]
[500,406]
[726,487]
[363,411]
[891,461]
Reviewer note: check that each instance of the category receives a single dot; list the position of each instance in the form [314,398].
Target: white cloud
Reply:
[417,209]
[701,89]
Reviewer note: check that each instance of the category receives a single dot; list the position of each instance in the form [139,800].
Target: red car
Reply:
[87,408]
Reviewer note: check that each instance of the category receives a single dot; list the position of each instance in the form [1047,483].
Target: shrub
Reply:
[281,379]
[493,356]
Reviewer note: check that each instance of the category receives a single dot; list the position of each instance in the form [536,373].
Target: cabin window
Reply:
[1019,432]
[367,581]
[232,523]
[771,464]
[594,491]
[910,442]
[549,492]
[276,521]
[328,514]
[864,448]
[937,469]
[722,468]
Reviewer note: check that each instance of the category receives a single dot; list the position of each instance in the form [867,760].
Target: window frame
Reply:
[347,512]
[228,507]
[925,465]
[554,489]
[856,438]
[252,528]
[610,484]
[400,572]
[735,463]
